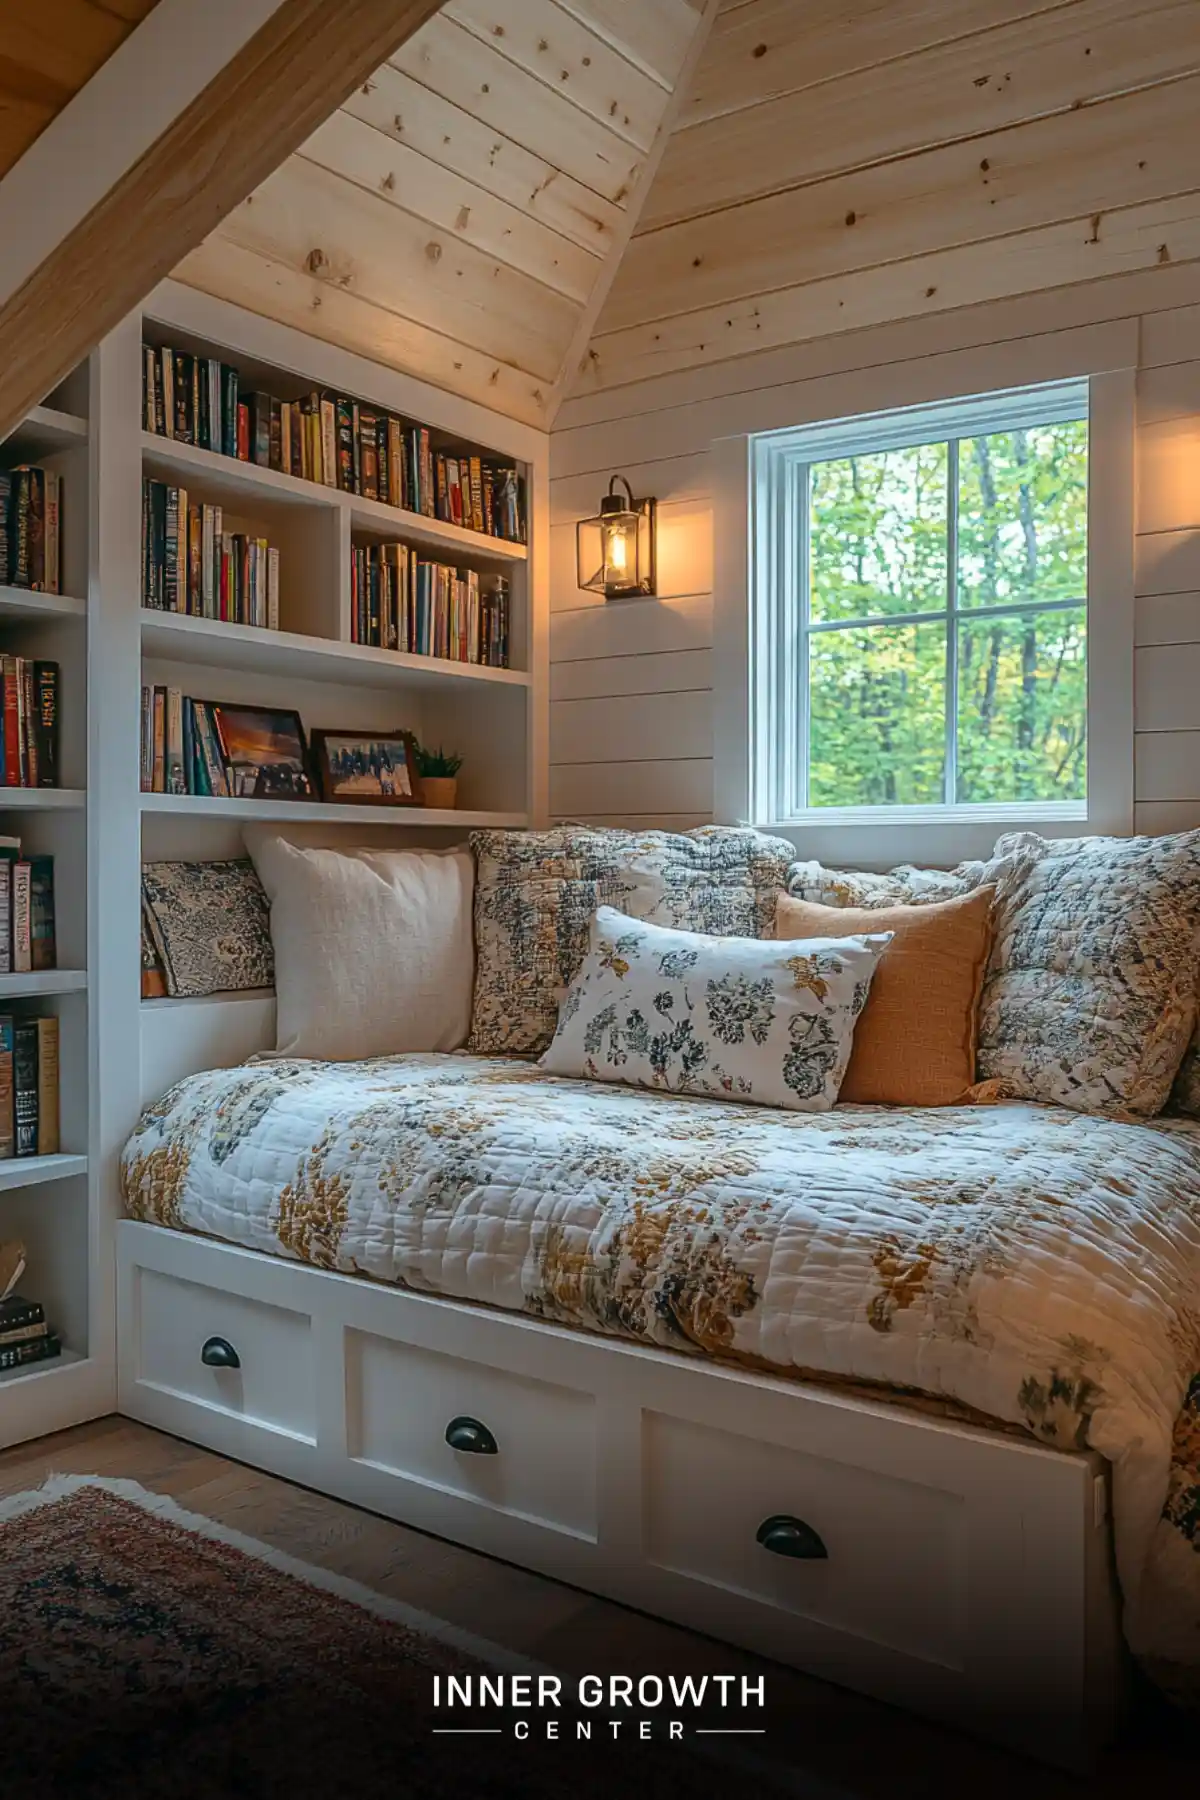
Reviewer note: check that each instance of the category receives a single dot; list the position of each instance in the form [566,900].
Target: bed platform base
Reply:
[959,1573]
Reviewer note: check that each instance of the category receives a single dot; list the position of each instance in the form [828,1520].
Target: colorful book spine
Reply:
[22,921]
[47,1086]
[6,886]
[19,1314]
[45,723]
[43,936]
[8,1130]
[25,1085]
[23,1334]
[37,1349]
[176,784]
[158,758]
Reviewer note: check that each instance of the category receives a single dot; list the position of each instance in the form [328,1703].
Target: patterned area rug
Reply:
[147,1652]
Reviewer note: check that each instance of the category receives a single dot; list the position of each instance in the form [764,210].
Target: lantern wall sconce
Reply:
[615,551]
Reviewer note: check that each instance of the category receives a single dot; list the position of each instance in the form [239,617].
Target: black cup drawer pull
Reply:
[219,1353]
[784,1536]
[471,1437]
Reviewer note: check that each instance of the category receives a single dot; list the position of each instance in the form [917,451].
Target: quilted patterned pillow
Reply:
[733,1018]
[910,886]
[537,891]
[1090,999]
[210,925]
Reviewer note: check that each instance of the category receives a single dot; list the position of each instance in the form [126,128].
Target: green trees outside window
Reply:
[946,631]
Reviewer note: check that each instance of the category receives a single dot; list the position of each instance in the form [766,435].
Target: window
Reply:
[920,612]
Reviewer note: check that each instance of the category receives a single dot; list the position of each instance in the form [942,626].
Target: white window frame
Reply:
[760,523]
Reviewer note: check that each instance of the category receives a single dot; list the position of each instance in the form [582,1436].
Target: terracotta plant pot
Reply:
[440,791]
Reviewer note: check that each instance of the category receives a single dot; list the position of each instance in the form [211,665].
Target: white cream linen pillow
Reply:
[374,952]
[769,1021]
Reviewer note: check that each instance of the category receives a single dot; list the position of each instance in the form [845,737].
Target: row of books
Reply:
[398,601]
[31,529]
[182,750]
[27,926]
[191,564]
[28,1087]
[25,1336]
[29,734]
[330,439]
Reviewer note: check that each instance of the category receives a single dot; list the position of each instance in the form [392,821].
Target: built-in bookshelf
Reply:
[118,1051]
[49,1194]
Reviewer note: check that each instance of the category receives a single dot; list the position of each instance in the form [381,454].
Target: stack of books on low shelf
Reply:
[398,601]
[31,529]
[191,564]
[29,738]
[328,438]
[182,750]
[28,942]
[25,1336]
[28,1086]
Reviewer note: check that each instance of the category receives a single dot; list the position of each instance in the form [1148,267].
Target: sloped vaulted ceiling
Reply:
[461,217]
[842,163]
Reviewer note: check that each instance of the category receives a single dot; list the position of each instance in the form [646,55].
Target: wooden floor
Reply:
[841,1747]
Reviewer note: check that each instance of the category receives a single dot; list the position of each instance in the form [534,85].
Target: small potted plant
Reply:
[438,770]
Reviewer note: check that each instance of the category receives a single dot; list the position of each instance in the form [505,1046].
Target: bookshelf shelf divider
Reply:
[22,603]
[319,812]
[180,637]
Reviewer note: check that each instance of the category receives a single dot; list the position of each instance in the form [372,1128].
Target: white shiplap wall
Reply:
[631,682]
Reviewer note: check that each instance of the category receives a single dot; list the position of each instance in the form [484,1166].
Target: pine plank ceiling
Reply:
[839,164]
[461,216]
[49,49]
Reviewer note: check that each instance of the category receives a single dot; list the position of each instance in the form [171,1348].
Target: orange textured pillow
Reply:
[915,1042]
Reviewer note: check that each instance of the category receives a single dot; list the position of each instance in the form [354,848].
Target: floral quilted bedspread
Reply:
[1038,1265]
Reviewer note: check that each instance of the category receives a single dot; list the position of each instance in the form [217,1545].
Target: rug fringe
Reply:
[61,1487]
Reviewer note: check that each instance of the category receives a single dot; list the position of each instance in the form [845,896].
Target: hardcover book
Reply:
[23,1334]
[8,1138]
[35,1349]
[22,951]
[45,723]
[17,1313]
[47,1086]
[25,1086]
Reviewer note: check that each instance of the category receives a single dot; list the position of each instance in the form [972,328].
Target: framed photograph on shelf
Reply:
[264,752]
[367,768]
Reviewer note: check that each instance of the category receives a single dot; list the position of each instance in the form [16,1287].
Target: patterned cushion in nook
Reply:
[1090,999]
[910,886]
[771,1023]
[536,893]
[210,925]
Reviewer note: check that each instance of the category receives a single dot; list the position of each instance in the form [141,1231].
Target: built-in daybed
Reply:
[668,1349]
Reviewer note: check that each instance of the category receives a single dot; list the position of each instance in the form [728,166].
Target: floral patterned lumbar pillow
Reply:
[737,1018]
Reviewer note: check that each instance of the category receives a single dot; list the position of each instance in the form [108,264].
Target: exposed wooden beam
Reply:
[195,109]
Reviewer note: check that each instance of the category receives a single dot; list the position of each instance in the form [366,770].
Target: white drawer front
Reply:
[272,1383]
[401,1399]
[895,1568]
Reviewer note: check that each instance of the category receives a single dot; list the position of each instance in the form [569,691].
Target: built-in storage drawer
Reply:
[243,1357]
[522,1446]
[844,1546]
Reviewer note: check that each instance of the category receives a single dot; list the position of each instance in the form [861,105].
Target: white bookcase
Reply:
[117,1050]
